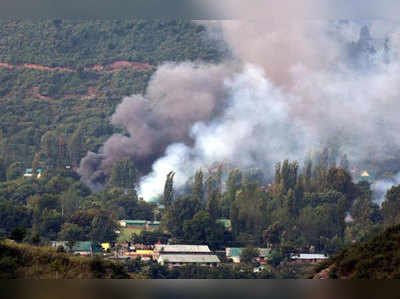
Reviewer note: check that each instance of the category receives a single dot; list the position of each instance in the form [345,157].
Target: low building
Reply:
[140,224]
[180,249]
[133,223]
[308,258]
[84,248]
[29,173]
[176,260]
[145,255]
[226,223]
[106,246]
[234,253]
[366,177]
[56,244]
[179,255]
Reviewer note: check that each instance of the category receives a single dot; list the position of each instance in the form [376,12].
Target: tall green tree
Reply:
[169,188]
[308,176]
[391,207]
[3,171]
[103,228]
[249,254]
[77,147]
[49,150]
[198,186]
[48,224]
[123,175]
[71,233]
[233,184]
[212,205]
[203,229]
[181,209]
[70,202]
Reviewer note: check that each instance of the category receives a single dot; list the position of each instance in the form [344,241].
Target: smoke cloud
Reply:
[178,96]
[291,86]
[380,187]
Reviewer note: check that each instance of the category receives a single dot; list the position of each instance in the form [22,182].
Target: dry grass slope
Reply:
[23,261]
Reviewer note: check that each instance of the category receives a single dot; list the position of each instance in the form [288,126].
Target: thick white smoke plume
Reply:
[290,87]
[244,134]
[350,99]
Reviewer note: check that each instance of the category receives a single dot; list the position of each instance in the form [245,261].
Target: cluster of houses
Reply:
[37,173]
[173,255]
[179,255]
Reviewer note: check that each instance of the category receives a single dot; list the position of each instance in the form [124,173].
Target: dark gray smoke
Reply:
[178,96]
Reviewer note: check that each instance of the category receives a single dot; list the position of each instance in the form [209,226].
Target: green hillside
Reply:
[74,42]
[67,76]
[378,258]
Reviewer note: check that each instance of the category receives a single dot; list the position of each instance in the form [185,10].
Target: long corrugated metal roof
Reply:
[188,258]
[182,248]
[309,256]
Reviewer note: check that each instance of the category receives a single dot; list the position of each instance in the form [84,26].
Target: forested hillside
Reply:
[63,78]
[82,43]
[378,258]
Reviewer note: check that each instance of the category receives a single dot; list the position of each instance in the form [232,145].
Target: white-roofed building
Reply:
[308,257]
[182,249]
[179,255]
[234,253]
[176,260]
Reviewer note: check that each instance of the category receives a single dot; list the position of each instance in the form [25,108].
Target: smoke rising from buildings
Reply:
[291,87]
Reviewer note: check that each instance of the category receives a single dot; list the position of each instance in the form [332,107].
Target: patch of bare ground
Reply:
[44,68]
[35,94]
[112,67]
[6,65]
[129,65]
